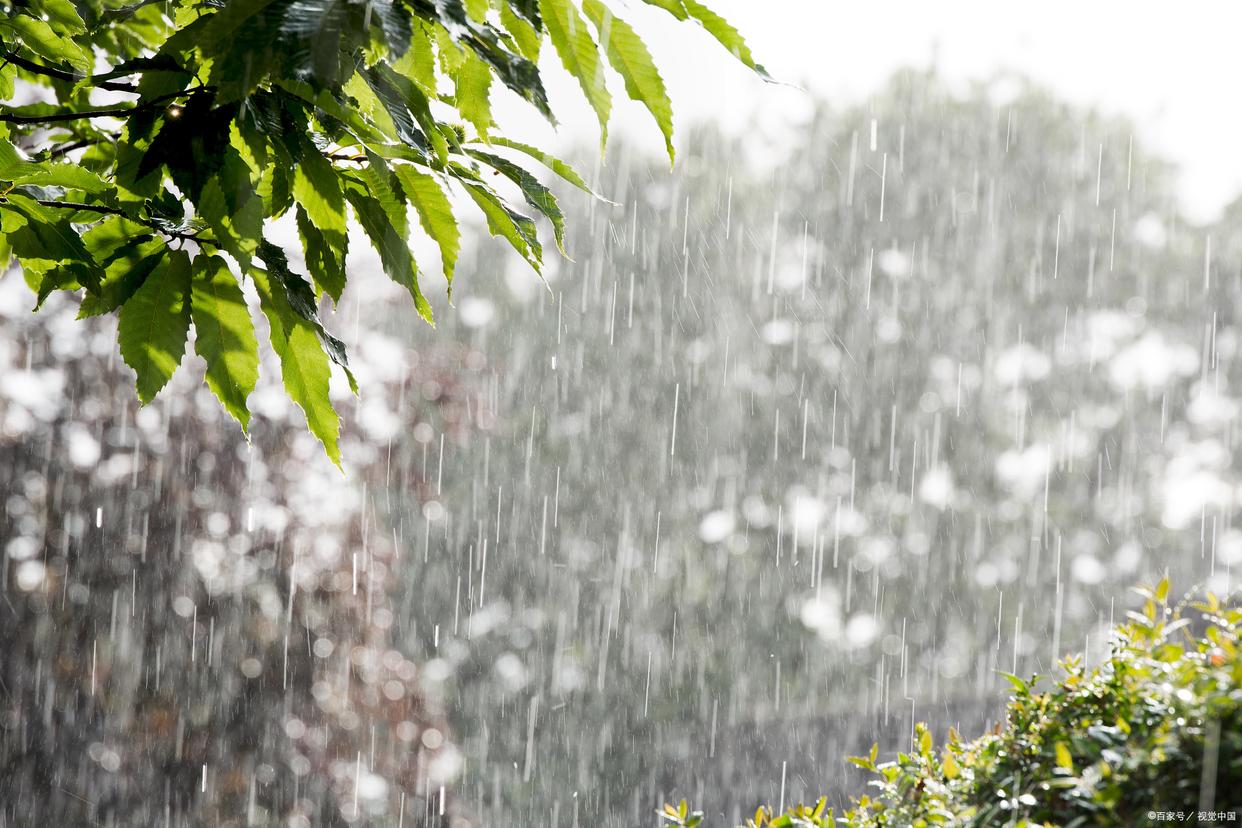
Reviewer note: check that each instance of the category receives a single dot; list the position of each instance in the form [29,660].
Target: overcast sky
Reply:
[1174,68]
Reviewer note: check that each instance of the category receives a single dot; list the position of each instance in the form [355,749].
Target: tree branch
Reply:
[103,209]
[60,152]
[111,112]
[60,74]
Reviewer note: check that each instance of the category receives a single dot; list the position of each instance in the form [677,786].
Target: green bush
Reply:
[1152,735]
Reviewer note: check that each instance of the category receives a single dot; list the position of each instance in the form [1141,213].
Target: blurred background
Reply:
[898,381]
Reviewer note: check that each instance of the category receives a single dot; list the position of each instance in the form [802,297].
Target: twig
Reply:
[112,112]
[68,148]
[61,74]
[113,211]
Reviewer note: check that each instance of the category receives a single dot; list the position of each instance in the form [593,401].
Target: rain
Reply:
[788,457]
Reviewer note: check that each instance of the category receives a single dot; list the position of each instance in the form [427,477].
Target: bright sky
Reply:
[1174,68]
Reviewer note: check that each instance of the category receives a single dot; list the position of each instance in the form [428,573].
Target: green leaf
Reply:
[434,213]
[513,70]
[512,226]
[127,270]
[1065,759]
[1020,687]
[553,163]
[525,35]
[18,170]
[127,252]
[8,80]
[400,89]
[225,336]
[301,298]
[324,261]
[42,39]
[393,250]
[537,196]
[419,61]
[674,7]
[210,32]
[629,56]
[63,14]
[472,81]
[40,234]
[304,365]
[317,188]
[725,34]
[154,325]
[1161,592]
[383,187]
[237,230]
[318,33]
[568,33]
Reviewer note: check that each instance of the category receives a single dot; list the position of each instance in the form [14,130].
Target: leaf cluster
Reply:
[168,136]
[1156,727]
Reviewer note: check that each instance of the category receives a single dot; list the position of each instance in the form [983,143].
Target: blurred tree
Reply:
[198,627]
[164,137]
[808,443]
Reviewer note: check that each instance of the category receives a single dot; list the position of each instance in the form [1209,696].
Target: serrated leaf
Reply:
[537,196]
[527,38]
[629,57]
[237,231]
[316,31]
[473,82]
[317,188]
[395,100]
[419,61]
[63,14]
[578,52]
[553,163]
[725,34]
[512,226]
[435,214]
[393,250]
[325,261]
[514,70]
[674,7]
[154,324]
[224,336]
[18,170]
[42,39]
[301,297]
[39,234]
[383,187]
[125,253]
[304,368]
[125,271]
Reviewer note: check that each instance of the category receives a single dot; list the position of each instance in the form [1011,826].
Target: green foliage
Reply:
[1156,727]
[235,113]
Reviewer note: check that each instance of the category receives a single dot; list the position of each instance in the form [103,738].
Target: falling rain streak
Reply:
[788,455]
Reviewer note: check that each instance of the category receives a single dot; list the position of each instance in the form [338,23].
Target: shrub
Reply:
[1152,734]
